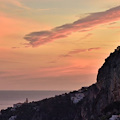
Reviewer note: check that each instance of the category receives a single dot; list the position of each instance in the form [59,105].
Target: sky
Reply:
[55,44]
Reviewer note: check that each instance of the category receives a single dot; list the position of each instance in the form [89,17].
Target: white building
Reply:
[115,117]
[19,104]
[12,118]
[77,97]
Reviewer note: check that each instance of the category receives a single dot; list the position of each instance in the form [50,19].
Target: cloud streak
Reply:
[86,36]
[94,19]
[15,3]
[20,4]
[77,51]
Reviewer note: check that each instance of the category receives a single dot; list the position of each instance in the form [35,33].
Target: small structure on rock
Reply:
[118,48]
[19,104]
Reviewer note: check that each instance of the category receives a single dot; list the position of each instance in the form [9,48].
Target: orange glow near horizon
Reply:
[46,47]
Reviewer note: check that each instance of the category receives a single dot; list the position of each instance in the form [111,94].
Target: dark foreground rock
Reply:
[98,102]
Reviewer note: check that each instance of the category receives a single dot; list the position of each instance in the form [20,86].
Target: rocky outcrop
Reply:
[100,101]
[109,76]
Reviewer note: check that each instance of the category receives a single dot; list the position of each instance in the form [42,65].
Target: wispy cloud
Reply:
[77,51]
[114,27]
[15,3]
[94,19]
[86,36]
[15,47]
[2,72]
[112,23]
[91,49]
[21,5]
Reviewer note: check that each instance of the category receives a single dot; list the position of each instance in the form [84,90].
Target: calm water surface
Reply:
[8,98]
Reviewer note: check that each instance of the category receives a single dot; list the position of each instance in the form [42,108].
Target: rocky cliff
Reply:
[98,102]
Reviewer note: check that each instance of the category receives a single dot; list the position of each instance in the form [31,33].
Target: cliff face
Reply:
[97,102]
[109,76]
[107,89]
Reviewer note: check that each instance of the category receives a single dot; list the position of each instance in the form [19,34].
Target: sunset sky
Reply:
[55,44]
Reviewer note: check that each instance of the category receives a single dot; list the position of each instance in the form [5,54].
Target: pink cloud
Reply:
[87,23]
[77,51]
[91,49]
[112,23]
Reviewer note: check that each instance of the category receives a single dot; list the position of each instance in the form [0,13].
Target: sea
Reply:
[8,98]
